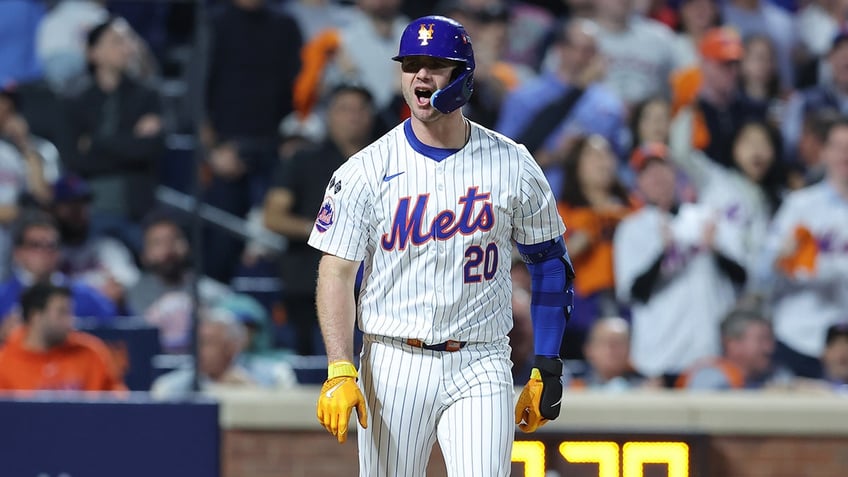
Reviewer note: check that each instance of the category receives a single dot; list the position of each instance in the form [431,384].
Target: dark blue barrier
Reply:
[176,166]
[133,344]
[138,438]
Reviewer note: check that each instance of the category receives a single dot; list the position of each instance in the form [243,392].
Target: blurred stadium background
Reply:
[163,159]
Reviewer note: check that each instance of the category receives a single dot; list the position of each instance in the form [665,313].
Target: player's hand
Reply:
[339,395]
[540,400]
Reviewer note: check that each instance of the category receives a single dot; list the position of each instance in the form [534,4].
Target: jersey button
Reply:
[440,187]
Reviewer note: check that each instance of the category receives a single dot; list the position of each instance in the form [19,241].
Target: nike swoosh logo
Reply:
[552,405]
[388,178]
[330,391]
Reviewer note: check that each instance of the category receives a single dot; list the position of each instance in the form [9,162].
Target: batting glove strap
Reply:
[550,373]
[341,368]
[548,366]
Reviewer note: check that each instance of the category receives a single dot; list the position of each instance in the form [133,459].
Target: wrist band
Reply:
[341,368]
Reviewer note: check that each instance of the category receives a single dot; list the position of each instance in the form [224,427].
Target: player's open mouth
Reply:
[423,96]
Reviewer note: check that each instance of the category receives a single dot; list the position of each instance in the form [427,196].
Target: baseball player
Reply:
[432,209]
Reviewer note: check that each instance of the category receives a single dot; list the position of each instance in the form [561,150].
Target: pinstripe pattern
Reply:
[440,272]
[418,292]
[465,398]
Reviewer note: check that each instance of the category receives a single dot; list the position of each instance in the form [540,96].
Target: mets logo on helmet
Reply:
[425,33]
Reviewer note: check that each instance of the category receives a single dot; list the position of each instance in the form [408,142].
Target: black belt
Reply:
[449,345]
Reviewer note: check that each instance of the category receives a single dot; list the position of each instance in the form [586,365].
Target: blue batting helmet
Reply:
[442,37]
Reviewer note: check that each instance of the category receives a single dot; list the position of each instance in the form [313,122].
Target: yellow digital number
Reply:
[634,456]
[532,454]
[673,454]
[605,454]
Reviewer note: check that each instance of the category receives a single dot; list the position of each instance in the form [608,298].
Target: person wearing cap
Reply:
[826,97]
[835,357]
[254,316]
[676,269]
[103,262]
[268,366]
[117,135]
[711,94]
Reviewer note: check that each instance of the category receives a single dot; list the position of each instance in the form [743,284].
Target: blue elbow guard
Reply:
[552,297]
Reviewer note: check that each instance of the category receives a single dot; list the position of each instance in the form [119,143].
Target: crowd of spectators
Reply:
[698,151]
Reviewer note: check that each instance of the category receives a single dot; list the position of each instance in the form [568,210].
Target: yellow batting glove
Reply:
[541,397]
[527,414]
[339,396]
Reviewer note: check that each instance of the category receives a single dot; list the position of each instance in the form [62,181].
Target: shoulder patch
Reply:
[326,215]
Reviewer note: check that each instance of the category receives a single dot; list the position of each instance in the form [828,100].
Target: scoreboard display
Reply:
[609,455]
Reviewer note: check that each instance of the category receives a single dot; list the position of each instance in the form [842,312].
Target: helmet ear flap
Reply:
[457,93]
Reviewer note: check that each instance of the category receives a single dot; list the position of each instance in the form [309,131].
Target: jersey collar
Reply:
[437,154]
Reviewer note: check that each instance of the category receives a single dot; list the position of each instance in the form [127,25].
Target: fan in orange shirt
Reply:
[592,203]
[45,353]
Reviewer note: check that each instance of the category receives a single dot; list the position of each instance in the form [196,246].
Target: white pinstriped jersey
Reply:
[436,236]
[805,305]
[679,323]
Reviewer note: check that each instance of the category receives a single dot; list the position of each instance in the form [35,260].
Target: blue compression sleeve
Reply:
[552,295]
